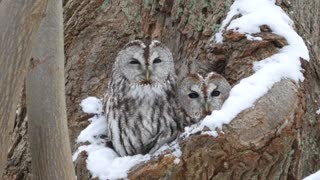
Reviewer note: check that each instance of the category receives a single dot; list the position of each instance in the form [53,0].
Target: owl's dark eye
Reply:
[193,95]
[215,93]
[134,61]
[157,60]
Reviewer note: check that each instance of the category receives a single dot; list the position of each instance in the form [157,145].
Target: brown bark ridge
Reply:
[19,22]
[45,93]
[19,160]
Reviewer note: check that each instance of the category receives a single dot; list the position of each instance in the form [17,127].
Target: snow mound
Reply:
[283,65]
[92,105]
[98,124]
[104,162]
[315,176]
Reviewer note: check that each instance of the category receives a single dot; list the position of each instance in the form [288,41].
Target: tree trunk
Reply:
[96,30]
[19,22]
[306,16]
[45,92]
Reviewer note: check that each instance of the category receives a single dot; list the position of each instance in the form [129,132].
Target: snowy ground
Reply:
[104,163]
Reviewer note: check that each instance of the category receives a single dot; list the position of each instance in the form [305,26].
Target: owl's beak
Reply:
[147,80]
[206,108]
[147,74]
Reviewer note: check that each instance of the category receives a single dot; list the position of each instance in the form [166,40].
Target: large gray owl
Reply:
[198,96]
[141,102]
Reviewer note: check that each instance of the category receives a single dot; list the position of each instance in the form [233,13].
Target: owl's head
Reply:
[143,64]
[199,96]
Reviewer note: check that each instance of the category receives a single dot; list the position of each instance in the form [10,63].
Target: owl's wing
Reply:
[184,118]
[105,100]
[151,147]
[106,97]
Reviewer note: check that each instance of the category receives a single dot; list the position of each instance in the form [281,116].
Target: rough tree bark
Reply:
[19,22]
[306,16]
[96,30]
[45,92]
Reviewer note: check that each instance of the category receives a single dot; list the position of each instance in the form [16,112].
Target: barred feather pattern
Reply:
[141,118]
[187,119]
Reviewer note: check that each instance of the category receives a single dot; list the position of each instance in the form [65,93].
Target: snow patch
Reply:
[94,132]
[92,105]
[211,133]
[315,176]
[252,38]
[318,111]
[176,161]
[104,163]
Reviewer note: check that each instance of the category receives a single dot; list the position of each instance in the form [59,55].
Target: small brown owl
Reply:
[198,96]
[140,102]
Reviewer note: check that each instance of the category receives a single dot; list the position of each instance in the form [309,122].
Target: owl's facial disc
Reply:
[137,71]
[149,65]
[160,64]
